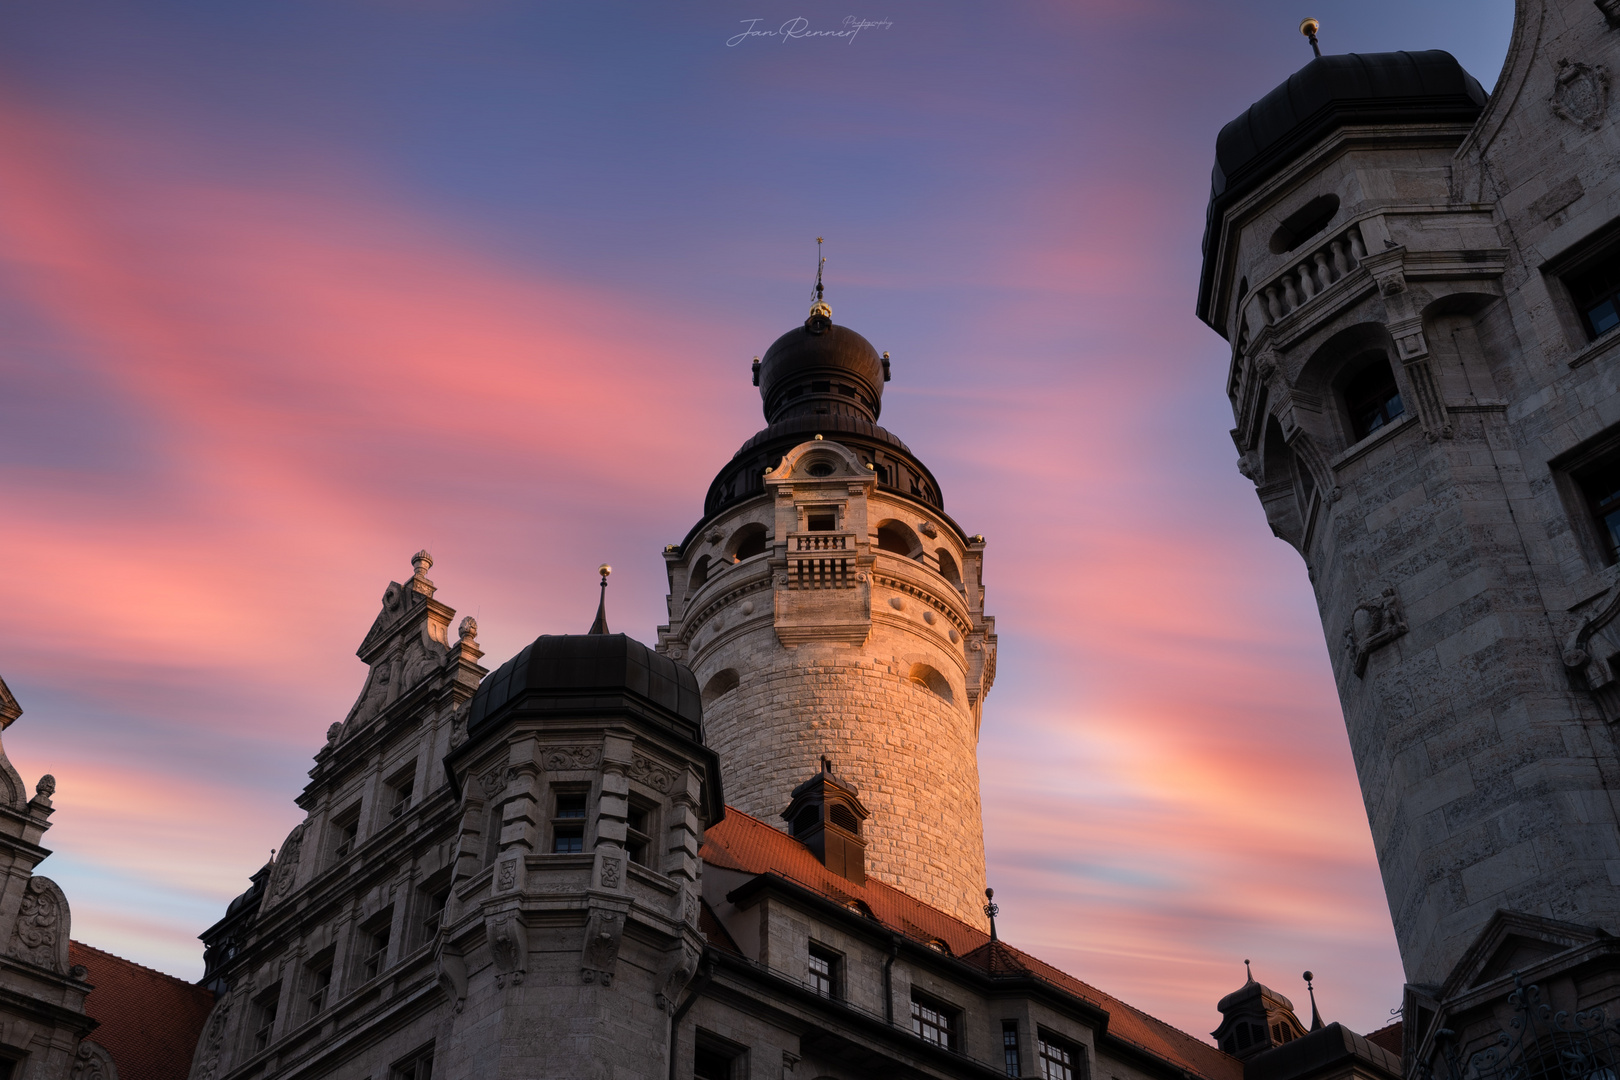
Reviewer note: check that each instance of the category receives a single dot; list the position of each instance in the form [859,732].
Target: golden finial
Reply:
[1309,28]
[818,305]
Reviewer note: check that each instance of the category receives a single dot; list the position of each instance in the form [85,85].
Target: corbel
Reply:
[451,970]
[1405,326]
[603,932]
[675,972]
[508,945]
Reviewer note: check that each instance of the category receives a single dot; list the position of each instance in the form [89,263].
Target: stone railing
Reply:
[1330,262]
[822,542]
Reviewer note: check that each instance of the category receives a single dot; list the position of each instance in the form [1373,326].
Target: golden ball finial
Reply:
[1309,27]
[604,570]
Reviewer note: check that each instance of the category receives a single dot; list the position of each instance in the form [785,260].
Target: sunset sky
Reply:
[290,290]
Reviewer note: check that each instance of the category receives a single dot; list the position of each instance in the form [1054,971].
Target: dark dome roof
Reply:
[818,364]
[1329,92]
[592,673]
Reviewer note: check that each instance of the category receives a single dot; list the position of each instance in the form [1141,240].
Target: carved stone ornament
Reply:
[286,871]
[1374,624]
[452,974]
[1590,652]
[206,1064]
[601,953]
[1581,93]
[673,975]
[646,771]
[91,1061]
[45,788]
[573,758]
[468,629]
[509,946]
[493,782]
[610,872]
[41,933]
[507,879]
[332,733]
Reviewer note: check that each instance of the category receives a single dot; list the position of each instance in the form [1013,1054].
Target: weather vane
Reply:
[1309,28]
[991,910]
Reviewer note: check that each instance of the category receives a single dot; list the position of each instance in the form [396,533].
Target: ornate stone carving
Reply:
[451,969]
[610,872]
[509,946]
[332,733]
[45,788]
[92,1062]
[213,1041]
[493,782]
[602,932]
[1374,624]
[928,530]
[646,771]
[1581,93]
[468,630]
[506,880]
[676,971]
[40,936]
[286,871]
[572,758]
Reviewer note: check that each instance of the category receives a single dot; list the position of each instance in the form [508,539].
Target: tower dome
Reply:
[821,367]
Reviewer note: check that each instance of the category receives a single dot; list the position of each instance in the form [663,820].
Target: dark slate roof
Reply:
[149,1021]
[1329,92]
[592,673]
[820,350]
[1324,1052]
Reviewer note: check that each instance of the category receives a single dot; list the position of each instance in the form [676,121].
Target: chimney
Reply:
[825,816]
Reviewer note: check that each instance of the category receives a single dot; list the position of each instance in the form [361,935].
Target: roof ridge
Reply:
[134,964]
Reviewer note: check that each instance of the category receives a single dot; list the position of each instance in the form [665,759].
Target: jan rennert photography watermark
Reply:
[800,28]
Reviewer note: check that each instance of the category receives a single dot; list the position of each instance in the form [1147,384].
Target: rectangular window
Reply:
[400,789]
[825,973]
[1595,289]
[714,1058]
[345,832]
[264,1017]
[638,832]
[418,1065]
[374,945]
[432,911]
[1009,1047]
[568,823]
[1059,1060]
[821,522]
[933,1021]
[318,982]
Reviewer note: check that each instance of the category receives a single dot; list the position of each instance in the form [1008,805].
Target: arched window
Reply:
[700,572]
[721,684]
[806,819]
[749,541]
[1371,397]
[948,568]
[898,538]
[932,681]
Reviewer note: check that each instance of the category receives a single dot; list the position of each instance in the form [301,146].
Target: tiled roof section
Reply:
[1389,1038]
[741,842]
[150,1021]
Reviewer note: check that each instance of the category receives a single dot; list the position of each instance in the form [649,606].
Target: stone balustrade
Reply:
[1330,262]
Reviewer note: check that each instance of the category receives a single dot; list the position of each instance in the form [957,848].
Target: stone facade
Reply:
[827,642]
[1453,533]
[43,1026]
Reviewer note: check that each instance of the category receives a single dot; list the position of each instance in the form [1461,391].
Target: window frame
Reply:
[376,934]
[318,991]
[346,832]
[733,1056]
[1573,473]
[638,843]
[1011,1055]
[401,791]
[1048,1048]
[266,1009]
[947,1018]
[569,825]
[1354,370]
[416,1065]
[833,976]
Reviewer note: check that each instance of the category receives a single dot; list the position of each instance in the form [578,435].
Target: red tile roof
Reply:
[741,842]
[150,1021]
[1390,1038]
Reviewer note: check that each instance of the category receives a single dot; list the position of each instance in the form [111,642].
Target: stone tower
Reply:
[1418,283]
[829,606]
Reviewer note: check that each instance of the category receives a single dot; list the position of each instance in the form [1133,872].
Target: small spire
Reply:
[600,625]
[991,910]
[1316,1017]
[1309,28]
[1249,972]
[826,764]
[818,303]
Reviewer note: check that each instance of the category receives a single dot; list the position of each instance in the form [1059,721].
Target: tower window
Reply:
[374,945]
[821,522]
[400,789]
[318,981]
[638,833]
[750,542]
[1601,486]
[700,572]
[895,537]
[719,685]
[264,1017]
[806,820]
[822,468]
[933,1021]
[1372,399]
[568,823]
[346,832]
[1009,1048]
[417,1066]
[1596,292]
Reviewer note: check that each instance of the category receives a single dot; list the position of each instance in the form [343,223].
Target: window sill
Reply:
[1602,346]
[1377,438]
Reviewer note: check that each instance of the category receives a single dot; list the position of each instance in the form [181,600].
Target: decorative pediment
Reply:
[9,709]
[1512,941]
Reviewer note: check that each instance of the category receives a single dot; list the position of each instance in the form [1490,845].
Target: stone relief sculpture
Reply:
[286,871]
[1581,93]
[41,934]
[509,946]
[1374,624]
[602,932]
[1590,652]
[92,1062]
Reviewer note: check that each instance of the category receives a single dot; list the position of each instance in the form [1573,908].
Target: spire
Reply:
[818,304]
[600,625]
[1316,1017]
[1309,28]
[991,910]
